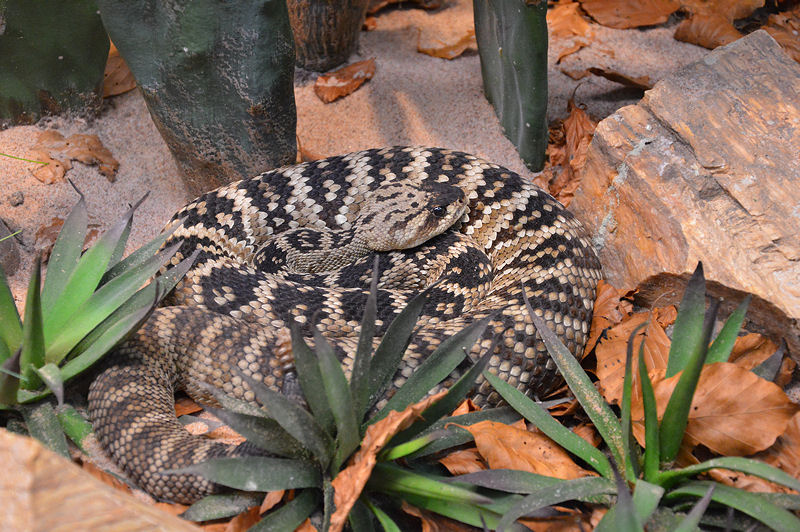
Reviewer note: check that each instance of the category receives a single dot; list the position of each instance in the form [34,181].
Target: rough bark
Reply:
[706,168]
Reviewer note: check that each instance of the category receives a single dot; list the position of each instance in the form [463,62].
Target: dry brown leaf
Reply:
[785,28]
[641,82]
[611,351]
[117,78]
[734,411]
[751,350]
[432,522]
[465,407]
[243,521]
[786,451]
[351,480]
[344,81]
[507,447]
[609,310]
[708,30]
[575,74]
[53,148]
[577,45]
[104,477]
[588,433]
[454,37]
[565,20]
[185,405]
[623,14]
[666,316]
[463,462]
[270,500]
[578,132]
[306,527]
[46,235]
[730,9]
[370,23]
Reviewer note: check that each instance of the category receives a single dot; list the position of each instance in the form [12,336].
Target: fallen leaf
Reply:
[117,78]
[185,405]
[463,462]
[270,500]
[623,14]
[577,45]
[465,407]
[578,132]
[507,447]
[350,481]
[785,28]
[103,476]
[59,152]
[609,310]
[751,350]
[641,82]
[370,23]
[708,30]
[454,37]
[611,352]
[730,9]
[575,74]
[666,316]
[47,234]
[588,433]
[564,20]
[734,412]
[344,81]
[306,527]
[786,450]
[244,520]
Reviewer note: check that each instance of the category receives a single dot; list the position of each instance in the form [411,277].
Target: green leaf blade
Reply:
[256,473]
[32,356]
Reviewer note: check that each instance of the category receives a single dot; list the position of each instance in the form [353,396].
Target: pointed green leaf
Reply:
[687,334]
[295,420]
[141,254]
[733,463]
[360,518]
[392,348]
[581,386]
[102,303]
[471,514]
[221,506]
[309,376]
[568,490]
[435,368]
[720,350]
[652,451]
[291,515]
[394,452]
[9,379]
[359,378]
[755,505]
[119,250]
[32,356]
[65,254]
[43,425]
[769,369]
[74,425]
[337,391]
[676,415]
[50,374]
[449,402]
[389,478]
[10,324]
[84,278]
[646,497]
[690,522]
[265,434]
[383,518]
[540,417]
[256,473]
[632,455]
[622,516]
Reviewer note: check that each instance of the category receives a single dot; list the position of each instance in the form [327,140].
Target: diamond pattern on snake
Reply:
[299,244]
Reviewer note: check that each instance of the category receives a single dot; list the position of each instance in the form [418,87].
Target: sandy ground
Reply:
[413,99]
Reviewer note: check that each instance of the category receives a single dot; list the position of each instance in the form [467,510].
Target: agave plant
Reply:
[658,488]
[311,447]
[88,303]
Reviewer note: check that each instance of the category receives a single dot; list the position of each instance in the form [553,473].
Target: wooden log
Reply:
[706,167]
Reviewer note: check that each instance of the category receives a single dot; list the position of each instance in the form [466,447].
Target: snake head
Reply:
[403,216]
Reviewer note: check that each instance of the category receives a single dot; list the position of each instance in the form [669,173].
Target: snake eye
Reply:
[439,211]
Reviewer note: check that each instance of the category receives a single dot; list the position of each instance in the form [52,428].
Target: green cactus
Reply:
[512,43]
[217,78]
[52,57]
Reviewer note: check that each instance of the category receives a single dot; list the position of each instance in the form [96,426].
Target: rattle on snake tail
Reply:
[300,241]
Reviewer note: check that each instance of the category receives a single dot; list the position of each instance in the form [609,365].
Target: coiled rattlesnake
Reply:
[259,267]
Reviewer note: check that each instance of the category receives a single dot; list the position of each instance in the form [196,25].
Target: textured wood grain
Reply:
[41,491]
[706,167]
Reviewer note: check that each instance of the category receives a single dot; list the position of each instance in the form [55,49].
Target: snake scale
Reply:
[298,243]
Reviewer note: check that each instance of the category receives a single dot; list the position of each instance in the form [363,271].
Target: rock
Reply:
[9,252]
[16,199]
[40,490]
[705,168]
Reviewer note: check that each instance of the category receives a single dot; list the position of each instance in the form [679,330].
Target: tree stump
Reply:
[325,31]
[706,168]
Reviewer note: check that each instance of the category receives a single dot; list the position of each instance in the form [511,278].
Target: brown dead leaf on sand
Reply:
[785,28]
[452,39]
[339,83]
[610,307]
[59,152]
[510,447]
[640,82]
[624,14]
[578,131]
[730,420]
[708,30]
[349,483]
[564,20]
[576,46]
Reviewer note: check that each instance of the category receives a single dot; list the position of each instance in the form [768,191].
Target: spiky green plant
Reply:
[310,447]
[659,490]
[89,302]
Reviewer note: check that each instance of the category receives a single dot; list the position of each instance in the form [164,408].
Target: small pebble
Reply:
[16,199]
